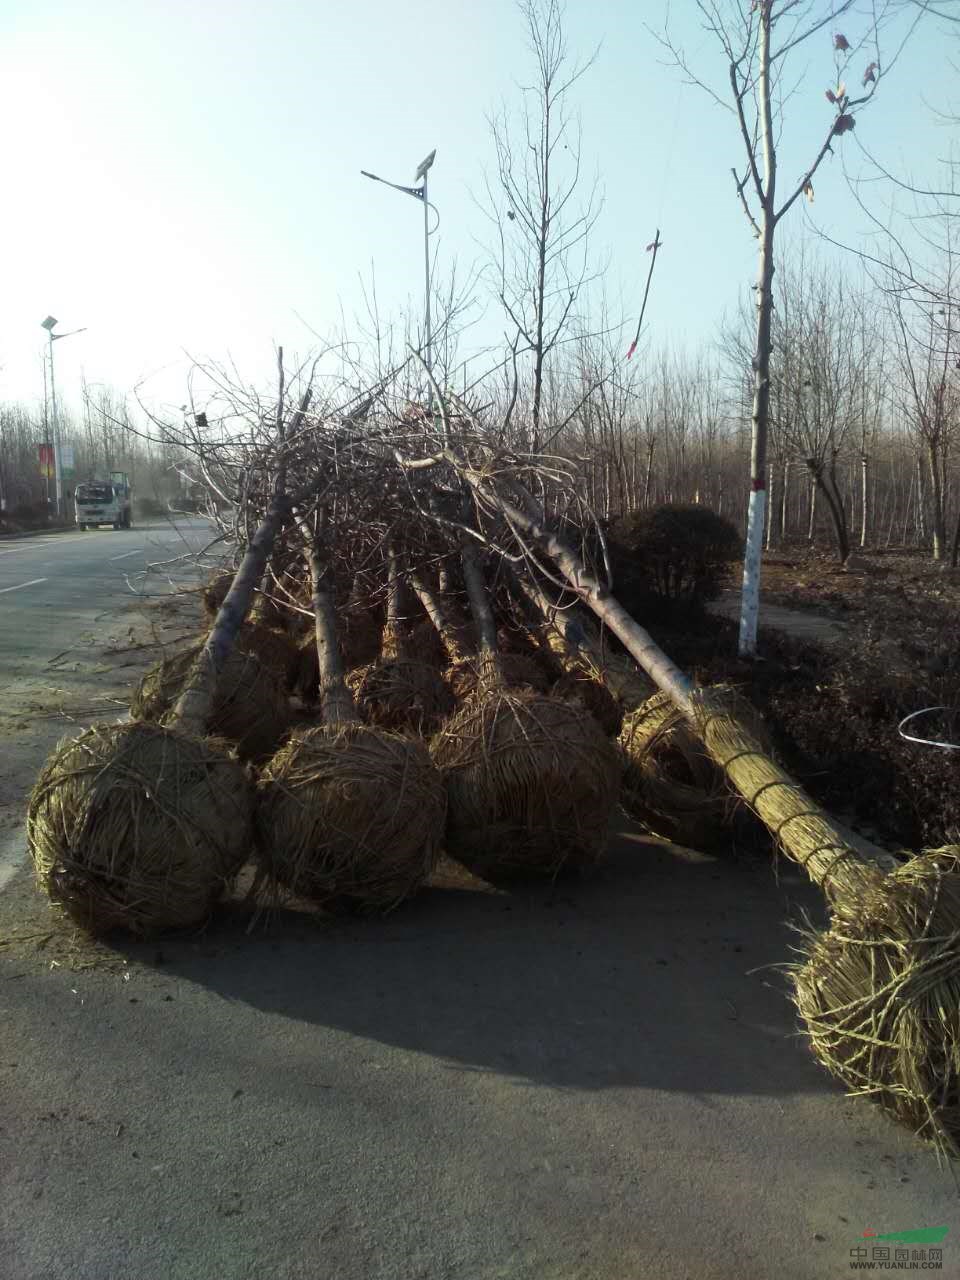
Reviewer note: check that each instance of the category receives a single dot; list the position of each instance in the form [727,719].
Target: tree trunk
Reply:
[936,486]
[785,502]
[812,526]
[864,500]
[921,521]
[750,596]
[771,520]
[827,485]
[648,478]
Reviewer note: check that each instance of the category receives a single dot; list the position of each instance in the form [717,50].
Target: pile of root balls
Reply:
[347,746]
[412,659]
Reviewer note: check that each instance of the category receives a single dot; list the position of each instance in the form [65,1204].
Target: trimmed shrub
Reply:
[672,556]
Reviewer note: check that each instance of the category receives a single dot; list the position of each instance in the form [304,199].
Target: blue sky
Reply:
[186,175]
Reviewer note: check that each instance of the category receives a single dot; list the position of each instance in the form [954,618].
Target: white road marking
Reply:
[20,585]
[13,851]
[45,544]
[135,552]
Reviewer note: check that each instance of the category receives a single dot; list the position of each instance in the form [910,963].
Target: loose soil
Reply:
[882,643]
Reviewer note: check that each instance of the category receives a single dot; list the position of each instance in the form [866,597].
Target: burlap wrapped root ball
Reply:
[350,817]
[531,784]
[138,827]
[402,695]
[880,994]
[250,707]
[669,781]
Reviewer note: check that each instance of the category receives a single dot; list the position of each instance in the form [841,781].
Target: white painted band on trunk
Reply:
[750,595]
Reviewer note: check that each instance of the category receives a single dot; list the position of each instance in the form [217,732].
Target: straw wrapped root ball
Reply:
[402,695]
[250,707]
[880,994]
[531,784]
[517,671]
[215,592]
[351,817]
[581,688]
[669,781]
[138,827]
[276,650]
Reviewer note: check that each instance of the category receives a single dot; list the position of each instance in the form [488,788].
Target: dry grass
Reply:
[531,784]
[350,816]
[250,708]
[138,827]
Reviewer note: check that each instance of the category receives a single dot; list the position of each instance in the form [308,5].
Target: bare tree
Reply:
[541,218]
[759,41]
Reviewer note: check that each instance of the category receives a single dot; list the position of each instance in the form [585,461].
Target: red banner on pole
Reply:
[47,464]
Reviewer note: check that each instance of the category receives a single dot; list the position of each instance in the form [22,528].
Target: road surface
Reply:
[56,585]
[595,1081]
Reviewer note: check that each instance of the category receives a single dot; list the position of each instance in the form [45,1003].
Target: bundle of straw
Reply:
[249,708]
[670,782]
[400,692]
[531,782]
[139,827]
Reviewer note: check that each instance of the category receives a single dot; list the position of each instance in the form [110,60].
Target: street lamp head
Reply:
[48,324]
[425,165]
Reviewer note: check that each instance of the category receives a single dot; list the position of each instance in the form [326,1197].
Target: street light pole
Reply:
[421,194]
[57,474]
[428,331]
[50,324]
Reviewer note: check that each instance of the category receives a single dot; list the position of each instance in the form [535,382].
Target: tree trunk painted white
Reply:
[864,500]
[750,597]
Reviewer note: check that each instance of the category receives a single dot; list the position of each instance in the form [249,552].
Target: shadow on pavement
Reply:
[646,975]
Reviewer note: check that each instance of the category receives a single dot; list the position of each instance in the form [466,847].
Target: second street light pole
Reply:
[421,194]
[50,324]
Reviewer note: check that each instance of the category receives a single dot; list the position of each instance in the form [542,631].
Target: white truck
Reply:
[104,502]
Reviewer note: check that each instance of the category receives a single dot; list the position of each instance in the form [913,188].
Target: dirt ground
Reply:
[880,642]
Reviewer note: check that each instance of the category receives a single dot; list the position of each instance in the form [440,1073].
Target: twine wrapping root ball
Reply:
[138,827]
[350,816]
[250,708]
[402,695]
[879,992]
[531,784]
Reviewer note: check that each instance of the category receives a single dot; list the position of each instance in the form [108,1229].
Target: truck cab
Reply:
[103,502]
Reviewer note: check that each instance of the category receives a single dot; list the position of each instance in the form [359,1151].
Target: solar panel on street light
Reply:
[424,166]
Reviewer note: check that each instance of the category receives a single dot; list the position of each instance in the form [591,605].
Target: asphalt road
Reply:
[592,1081]
[56,584]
